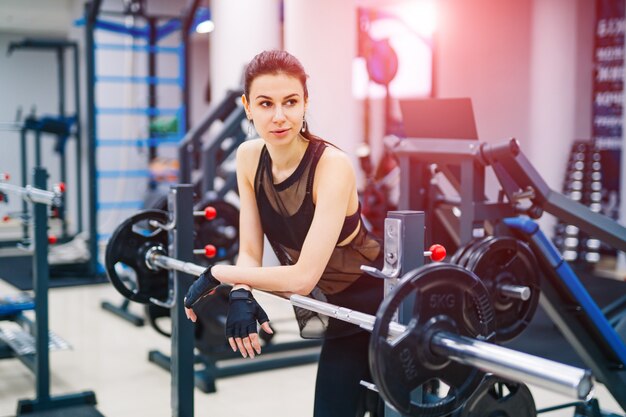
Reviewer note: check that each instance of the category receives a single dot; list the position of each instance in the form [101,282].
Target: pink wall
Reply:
[484,53]
[527,66]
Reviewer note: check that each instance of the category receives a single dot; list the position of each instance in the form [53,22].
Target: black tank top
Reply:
[286,211]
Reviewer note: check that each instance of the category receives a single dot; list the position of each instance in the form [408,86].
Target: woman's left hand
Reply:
[241,324]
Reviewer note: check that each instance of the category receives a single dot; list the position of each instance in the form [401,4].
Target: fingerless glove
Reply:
[243,314]
[201,287]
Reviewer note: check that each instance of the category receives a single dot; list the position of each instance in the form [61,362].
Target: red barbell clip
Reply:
[209,251]
[436,252]
[208,213]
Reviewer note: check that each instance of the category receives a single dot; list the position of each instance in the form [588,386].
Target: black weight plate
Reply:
[459,252]
[506,260]
[446,297]
[477,243]
[497,397]
[221,232]
[128,245]
[476,251]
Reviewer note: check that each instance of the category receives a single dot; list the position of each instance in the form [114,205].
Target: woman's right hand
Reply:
[202,287]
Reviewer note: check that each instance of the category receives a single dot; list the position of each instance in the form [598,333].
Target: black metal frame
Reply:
[207,157]
[39,363]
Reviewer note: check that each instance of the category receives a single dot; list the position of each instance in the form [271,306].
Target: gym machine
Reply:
[202,163]
[448,336]
[523,191]
[61,126]
[39,361]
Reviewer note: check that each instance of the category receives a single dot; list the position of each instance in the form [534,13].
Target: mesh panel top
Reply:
[286,210]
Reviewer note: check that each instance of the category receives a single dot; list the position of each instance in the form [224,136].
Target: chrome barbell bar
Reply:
[32,194]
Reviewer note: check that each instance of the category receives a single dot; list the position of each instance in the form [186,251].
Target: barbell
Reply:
[32,194]
[447,337]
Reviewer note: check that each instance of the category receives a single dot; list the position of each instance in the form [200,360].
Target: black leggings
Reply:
[343,364]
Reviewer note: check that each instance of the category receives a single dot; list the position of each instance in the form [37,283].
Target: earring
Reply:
[303,125]
[250,124]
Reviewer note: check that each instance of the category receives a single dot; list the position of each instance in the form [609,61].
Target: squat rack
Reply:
[62,125]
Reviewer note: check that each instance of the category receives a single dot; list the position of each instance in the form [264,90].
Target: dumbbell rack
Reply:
[583,183]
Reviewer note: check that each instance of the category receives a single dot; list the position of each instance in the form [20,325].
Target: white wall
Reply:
[35,16]
[483,52]
[559,88]
[200,76]
[322,34]
[243,28]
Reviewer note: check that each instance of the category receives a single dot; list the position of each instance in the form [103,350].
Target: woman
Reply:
[300,192]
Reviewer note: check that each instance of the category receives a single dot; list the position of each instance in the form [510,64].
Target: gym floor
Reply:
[109,356]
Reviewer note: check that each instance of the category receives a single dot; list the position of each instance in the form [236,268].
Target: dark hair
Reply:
[276,62]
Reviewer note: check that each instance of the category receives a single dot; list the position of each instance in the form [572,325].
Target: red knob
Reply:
[437,252]
[210,251]
[6,218]
[210,213]
[52,240]
[5,176]
[61,187]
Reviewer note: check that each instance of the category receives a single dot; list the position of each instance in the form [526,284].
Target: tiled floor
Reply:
[109,356]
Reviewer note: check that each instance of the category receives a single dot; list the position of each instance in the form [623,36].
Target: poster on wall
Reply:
[608,87]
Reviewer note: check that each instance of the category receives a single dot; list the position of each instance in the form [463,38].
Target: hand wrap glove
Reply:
[201,287]
[243,314]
